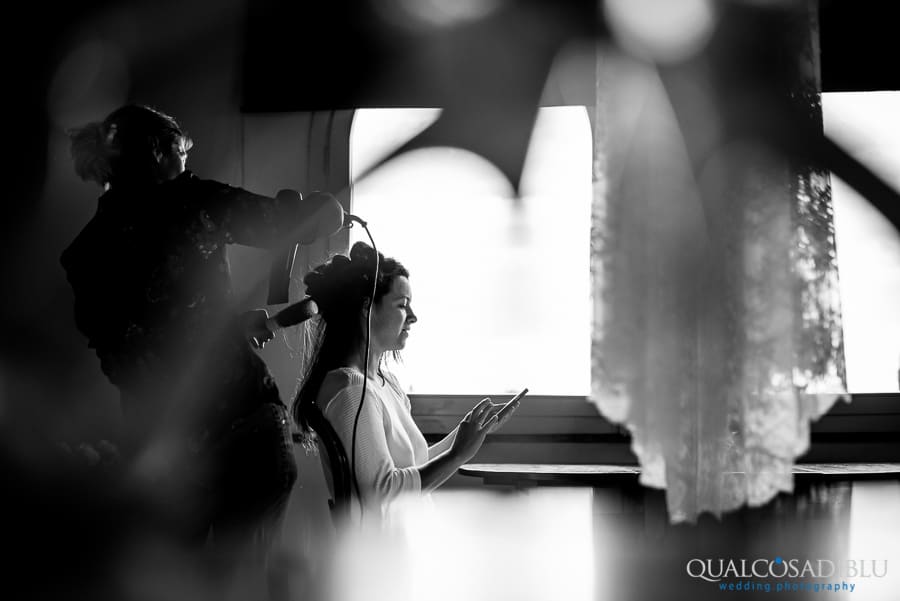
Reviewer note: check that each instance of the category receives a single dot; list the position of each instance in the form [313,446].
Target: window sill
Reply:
[569,429]
[540,415]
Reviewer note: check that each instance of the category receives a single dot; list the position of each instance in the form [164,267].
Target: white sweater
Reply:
[389,445]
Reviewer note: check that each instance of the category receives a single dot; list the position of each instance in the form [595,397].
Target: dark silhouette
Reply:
[206,433]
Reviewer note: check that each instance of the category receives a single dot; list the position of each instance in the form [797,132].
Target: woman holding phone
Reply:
[391,454]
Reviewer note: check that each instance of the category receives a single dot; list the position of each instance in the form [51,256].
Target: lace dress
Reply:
[717,334]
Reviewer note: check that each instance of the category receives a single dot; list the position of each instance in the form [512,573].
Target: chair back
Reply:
[338,464]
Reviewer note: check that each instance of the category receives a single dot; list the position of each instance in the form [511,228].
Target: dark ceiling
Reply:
[859,45]
[354,57]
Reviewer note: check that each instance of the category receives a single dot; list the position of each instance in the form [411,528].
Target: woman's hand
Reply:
[473,428]
[504,412]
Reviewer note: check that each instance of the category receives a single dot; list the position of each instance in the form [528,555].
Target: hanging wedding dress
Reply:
[717,334]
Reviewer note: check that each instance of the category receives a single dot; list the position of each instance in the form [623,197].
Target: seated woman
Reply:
[392,457]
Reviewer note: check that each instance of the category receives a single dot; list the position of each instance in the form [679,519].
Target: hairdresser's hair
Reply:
[341,287]
[121,149]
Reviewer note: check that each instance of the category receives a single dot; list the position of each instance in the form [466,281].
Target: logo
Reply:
[763,573]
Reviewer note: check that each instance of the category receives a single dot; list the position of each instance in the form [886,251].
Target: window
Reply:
[501,286]
[867,124]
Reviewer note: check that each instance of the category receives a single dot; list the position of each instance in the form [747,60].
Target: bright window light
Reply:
[501,286]
[867,125]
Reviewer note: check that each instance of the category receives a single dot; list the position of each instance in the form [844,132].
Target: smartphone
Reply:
[509,404]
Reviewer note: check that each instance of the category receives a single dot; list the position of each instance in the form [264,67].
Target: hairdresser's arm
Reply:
[252,219]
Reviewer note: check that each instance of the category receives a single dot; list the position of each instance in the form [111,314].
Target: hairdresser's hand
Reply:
[255,329]
[472,429]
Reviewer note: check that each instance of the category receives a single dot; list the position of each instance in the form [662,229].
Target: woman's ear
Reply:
[363,318]
[364,311]
[157,153]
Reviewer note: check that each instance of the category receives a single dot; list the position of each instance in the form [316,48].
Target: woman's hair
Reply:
[121,148]
[341,288]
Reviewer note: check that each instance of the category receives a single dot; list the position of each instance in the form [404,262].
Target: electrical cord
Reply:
[365,368]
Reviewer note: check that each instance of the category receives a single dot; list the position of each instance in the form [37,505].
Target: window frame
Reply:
[570,429]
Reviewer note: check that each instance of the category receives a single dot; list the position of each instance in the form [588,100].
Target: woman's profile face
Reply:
[393,316]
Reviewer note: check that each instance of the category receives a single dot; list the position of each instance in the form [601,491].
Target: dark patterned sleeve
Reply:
[248,218]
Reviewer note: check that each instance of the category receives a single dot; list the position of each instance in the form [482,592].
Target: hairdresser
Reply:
[205,426]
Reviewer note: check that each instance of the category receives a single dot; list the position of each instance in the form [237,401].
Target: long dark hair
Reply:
[340,288]
[121,149]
